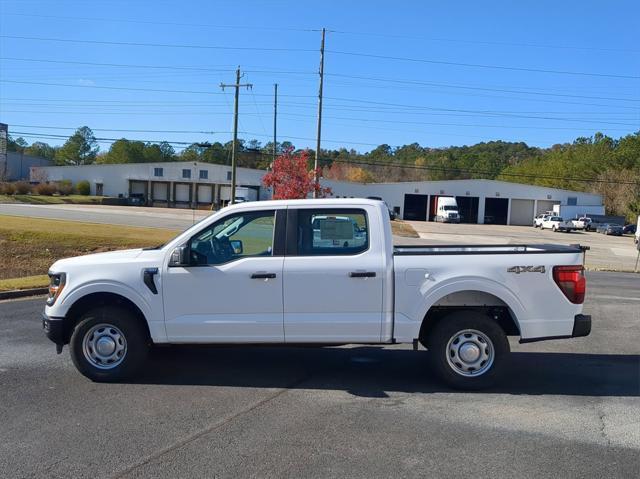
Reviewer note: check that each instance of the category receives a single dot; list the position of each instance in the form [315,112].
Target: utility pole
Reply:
[315,163]
[237,86]
[275,118]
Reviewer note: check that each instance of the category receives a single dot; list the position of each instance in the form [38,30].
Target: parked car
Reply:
[258,272]
[610,229]
[537,221]
[583,223]
[556,223]
[629,229]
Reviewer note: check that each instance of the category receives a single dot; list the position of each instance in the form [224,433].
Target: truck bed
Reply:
[406,250]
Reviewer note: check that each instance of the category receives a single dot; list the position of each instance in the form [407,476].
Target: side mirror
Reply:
[237,246]
[180,256]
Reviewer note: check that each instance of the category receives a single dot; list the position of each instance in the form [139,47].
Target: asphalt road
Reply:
[171,218]
[568,408]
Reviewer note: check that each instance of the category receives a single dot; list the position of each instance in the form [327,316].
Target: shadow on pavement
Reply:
[372,371]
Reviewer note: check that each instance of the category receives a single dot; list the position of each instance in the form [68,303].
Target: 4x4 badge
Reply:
[526,269]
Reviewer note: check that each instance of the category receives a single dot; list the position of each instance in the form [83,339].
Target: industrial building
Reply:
[479,201]
[193,184]
[18,165]
[169,184]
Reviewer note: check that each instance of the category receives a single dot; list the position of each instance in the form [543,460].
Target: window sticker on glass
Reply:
[336,228]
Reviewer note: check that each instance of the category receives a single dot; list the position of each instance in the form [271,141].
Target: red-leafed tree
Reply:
[291,178]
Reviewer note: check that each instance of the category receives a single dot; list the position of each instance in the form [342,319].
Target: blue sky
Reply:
[393,70]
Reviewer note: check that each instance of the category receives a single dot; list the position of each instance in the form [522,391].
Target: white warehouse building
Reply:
[193,184]
[174,184]
[479,201]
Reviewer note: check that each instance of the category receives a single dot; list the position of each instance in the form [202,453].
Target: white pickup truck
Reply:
[295,272]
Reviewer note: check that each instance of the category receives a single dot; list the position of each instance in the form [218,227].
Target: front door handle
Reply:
[263,275]
[362,274]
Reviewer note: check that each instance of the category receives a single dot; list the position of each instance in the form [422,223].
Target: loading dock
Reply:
[160,193]
[415,207]
[205,194]
[182,194]
[496,211]
[468,208]
[521,213]
[139,189]
[545,205]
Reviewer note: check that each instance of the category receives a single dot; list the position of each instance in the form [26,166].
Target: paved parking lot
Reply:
[568,408]
[607,252]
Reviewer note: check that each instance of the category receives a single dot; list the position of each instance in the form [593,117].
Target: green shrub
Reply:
[45,189]
[83,188]
[65,187]
[7,188]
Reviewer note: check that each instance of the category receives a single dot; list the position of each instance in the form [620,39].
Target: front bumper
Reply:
[54,329]
[581,328]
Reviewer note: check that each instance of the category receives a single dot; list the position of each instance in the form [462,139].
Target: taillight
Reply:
[571,281]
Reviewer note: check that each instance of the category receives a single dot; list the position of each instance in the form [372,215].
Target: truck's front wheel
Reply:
[108,344]
[468,350]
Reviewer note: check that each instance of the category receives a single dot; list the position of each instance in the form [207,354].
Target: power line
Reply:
[158,67]
[161,45]
[467,125]
[502,90]
[479,65]
[122,129]
[484,42]
[337,52]
[135,89]
[387,164]
[178,24]
[457,110]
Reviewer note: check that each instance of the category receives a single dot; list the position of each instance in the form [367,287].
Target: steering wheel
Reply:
[221,249]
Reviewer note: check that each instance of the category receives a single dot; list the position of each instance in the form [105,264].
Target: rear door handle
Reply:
[263,275]
[362,274]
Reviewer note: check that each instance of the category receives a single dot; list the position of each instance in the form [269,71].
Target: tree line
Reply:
[601,164]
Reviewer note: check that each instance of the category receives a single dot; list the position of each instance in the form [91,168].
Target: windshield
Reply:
[450,208]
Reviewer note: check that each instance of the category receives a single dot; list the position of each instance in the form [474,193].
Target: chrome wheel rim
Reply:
[104,346]
[470,353]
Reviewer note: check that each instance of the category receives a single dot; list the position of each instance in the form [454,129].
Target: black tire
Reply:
[553,228]
[452,326]
[124,324]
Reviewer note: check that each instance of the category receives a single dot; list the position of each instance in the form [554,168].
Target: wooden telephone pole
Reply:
[315,163]
[237,86]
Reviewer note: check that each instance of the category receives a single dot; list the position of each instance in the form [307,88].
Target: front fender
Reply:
[62,306]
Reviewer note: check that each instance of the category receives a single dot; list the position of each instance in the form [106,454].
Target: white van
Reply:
[447,211]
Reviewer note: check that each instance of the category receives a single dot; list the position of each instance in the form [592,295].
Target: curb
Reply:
[22,293]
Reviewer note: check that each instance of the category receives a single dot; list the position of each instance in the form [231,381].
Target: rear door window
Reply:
[332,232]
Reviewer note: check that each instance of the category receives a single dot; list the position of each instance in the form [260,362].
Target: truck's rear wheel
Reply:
[468,350]
[108,344]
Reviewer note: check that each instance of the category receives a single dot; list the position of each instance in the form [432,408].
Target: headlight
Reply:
[56,284]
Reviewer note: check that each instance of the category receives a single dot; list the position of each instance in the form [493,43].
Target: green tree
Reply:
[41,149]
[80,149]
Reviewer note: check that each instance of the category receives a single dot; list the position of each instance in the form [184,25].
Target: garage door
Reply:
[160,191]
[415,207]
[183,193]
[546,205]
[204,193]
[138,187]
[521,212]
